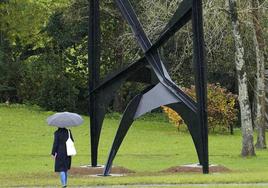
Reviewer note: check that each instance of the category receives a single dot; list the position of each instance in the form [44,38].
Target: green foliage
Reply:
[24,20]
[22,36]
[66,32]
[58,94]
[45,83]
[34,32]
[222,110]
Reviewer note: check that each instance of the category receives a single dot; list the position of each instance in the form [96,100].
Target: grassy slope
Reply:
[150,146]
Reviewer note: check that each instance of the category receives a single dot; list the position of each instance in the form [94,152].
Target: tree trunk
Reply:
[246,120]
[259,91]
[266,99]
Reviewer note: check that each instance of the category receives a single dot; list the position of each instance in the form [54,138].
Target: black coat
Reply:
[62,161]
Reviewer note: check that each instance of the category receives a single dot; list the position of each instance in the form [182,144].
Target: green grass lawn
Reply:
[150,146]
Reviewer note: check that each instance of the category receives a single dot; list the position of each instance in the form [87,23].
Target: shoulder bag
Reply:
[71,151]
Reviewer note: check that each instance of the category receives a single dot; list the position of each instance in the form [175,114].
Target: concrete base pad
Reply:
[110,175]
[213,168]
[89,170]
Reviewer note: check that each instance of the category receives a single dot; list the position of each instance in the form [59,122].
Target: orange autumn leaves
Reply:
[222,111]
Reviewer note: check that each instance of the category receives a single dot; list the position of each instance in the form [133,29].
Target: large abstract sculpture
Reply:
[162,93]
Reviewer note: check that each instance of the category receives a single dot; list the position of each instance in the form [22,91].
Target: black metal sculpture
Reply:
[163,93]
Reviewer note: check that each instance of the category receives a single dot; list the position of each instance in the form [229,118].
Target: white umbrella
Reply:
[65,119]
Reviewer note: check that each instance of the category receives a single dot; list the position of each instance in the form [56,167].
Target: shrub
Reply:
[58,94]
[221,109]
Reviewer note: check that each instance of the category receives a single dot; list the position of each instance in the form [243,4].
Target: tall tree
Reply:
[259,94]
[21,36]
[246,120]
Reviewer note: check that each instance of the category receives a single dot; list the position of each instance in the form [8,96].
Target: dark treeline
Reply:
[43,49]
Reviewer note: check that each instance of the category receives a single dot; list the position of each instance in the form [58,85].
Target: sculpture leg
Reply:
[124,126]
[94,72]
[96,118]
[200,77]
[148,100]
[101,97]
[141,104]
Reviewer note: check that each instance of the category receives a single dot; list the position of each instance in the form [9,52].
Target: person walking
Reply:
[59,154]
